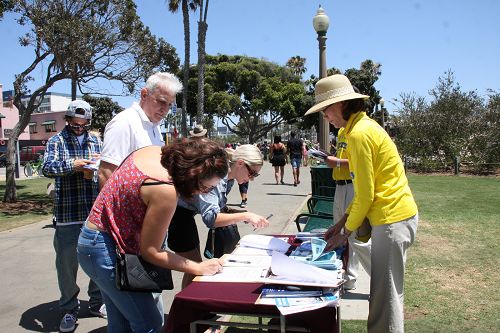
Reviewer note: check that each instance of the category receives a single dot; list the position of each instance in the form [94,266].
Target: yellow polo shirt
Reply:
[338,172]
[381,191]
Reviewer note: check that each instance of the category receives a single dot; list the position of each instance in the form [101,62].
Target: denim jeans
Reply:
[136,311]
[65,240]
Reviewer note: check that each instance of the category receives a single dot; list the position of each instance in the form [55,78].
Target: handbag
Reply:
[136,274]
[221,240]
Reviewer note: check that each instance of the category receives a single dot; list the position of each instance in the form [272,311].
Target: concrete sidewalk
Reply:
[28,283]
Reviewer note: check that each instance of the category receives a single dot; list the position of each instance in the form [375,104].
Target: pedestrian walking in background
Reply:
[295,148]
[277,157]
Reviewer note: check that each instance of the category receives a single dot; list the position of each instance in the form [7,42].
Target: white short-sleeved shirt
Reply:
[129,130]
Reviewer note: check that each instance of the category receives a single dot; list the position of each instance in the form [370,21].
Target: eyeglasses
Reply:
[163,103]
[205,189]
[251,173]
[79,127]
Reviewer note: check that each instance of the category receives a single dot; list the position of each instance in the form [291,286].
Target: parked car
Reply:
[31,153]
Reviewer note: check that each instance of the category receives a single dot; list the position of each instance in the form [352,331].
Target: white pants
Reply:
[359,252]
[389,245]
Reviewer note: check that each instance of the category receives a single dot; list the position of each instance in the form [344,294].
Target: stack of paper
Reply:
[312,252]
[255,265]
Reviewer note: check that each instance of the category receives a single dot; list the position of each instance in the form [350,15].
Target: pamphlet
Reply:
[317,154]
[312,252]
[93,166]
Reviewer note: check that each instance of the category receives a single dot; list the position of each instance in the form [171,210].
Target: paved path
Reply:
[28,283]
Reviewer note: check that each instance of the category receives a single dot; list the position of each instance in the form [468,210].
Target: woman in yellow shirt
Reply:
[381,194]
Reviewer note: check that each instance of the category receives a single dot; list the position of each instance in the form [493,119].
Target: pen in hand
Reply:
[267,218]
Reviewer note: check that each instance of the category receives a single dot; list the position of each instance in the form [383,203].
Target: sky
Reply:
[416,42]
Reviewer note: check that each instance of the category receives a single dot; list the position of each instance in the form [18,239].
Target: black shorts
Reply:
[182,232]
[243,187]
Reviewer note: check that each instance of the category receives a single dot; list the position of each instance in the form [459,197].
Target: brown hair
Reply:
[352,106]
[190,161]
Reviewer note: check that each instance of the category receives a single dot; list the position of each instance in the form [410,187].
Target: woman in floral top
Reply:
[133,212]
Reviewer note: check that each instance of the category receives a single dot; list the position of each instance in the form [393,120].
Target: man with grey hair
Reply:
[138,126]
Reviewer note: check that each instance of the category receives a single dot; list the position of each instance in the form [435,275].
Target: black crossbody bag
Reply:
[136,274]
[133,273]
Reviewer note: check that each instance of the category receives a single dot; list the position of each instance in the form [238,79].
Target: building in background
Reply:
[46,120]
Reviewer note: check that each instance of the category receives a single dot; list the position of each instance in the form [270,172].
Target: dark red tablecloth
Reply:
[200,298]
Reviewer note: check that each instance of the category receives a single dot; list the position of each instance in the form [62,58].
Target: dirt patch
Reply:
[25,207]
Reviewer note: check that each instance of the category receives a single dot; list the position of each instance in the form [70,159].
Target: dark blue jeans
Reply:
[136,311]
[65,240]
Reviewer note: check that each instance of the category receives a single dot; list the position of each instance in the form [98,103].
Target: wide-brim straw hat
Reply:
[198,130]
[333,89]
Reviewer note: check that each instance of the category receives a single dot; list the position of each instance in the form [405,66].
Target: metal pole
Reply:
[324,126]
[383,117]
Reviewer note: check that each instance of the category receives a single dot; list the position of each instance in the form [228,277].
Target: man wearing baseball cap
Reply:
[68,157]
[381,194]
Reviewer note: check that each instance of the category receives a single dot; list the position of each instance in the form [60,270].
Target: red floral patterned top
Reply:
[119,208]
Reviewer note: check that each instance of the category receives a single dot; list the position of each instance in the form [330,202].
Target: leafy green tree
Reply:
[5,6]
[252,96]
[103,110]
[364,79]
[452,124]
[83,40]
[173,6]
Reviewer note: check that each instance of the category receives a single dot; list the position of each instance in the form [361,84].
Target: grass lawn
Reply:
[33,204]
[452,275]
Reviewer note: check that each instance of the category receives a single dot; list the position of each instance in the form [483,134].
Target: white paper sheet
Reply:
[232,260]
[251,251]
[288,269]
[264,242]
[237,274]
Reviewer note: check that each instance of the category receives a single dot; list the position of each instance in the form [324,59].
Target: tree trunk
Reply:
[73,84]
[187,46]
[10,194]
[202,34]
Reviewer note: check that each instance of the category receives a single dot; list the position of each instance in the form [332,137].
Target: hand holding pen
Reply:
[265,222]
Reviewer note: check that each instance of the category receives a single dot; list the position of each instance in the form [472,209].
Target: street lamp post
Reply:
[321,23]
[383,112]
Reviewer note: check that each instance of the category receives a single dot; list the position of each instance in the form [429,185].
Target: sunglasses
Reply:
[251,173]
[79,127]
[205,189]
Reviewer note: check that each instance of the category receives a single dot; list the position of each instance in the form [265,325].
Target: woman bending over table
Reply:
[133,211]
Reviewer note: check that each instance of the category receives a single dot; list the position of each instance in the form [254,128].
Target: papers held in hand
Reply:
[93,166]
[317,154]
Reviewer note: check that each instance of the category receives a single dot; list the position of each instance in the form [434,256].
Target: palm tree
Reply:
[202,35]
[173,6]
[297,65]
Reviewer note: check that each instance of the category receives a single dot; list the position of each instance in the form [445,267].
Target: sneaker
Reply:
[99,310]
[243,204]
[68,323]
